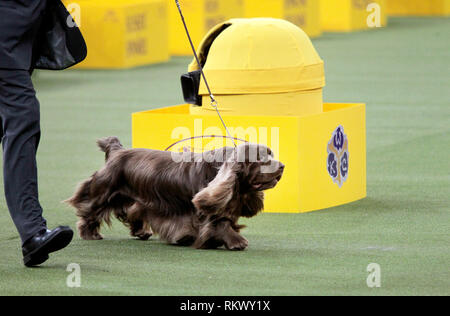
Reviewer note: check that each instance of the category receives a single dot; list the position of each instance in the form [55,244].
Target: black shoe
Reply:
[35,251]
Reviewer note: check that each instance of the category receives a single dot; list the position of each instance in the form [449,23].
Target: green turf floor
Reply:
[401,72]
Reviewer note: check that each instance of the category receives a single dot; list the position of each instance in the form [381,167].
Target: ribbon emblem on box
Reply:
[338,155]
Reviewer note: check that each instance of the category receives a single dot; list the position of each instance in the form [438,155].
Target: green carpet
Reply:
[401,72]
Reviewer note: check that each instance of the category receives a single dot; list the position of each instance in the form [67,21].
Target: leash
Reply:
[205,136]
[214,103]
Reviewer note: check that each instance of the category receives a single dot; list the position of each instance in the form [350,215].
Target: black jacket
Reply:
[36,34]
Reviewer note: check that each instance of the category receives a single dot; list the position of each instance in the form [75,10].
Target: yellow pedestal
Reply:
[305,14]
[302,143]
[351,15]
[200,15]
[419,7]
[122,33]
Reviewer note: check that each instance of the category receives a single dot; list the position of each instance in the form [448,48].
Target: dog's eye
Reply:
[268,162]
[266,156]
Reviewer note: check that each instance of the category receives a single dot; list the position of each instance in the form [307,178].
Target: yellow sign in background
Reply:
[303,13]
[122,34]
[419,7]
[350,15]
[201,16]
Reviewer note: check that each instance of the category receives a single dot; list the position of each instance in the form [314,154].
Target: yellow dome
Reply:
[261,55]
[260,66]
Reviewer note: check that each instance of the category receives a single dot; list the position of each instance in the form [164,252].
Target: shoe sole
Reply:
[57,242]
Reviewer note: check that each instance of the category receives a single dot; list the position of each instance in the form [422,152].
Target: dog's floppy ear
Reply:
[214,199]
[253,203]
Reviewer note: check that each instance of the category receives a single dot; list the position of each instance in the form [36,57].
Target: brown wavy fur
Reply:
[190,202]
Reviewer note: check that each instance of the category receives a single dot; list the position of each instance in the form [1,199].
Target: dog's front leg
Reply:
[231,238]
[214,233]
[137,219]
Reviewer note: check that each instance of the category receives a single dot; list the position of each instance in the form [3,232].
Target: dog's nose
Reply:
[281,166]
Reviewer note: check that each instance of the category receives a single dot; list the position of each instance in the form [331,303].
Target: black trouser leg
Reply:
[20,117]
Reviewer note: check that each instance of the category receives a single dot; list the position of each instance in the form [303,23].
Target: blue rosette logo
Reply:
[338,156]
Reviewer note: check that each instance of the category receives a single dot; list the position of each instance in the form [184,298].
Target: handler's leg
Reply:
[19,111]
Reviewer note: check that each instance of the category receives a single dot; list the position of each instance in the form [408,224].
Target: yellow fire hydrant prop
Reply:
[255,64]
[268,78]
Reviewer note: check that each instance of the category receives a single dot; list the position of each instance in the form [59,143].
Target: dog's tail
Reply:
[80,200]
[109,145]
[90,218]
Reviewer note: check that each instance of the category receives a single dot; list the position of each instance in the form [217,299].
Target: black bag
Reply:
[60,44]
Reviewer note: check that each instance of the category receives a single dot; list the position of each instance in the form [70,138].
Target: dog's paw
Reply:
[92,236]
[236,243]
[88,230]
[142,234]
[185,241]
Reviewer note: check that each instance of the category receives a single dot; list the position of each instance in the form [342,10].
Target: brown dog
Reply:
[186,198]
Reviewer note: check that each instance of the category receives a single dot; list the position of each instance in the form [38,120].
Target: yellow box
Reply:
[352,15]
[303,13]
[419,7]
[444,8]
[303,143]
[201,16]
[122,33]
